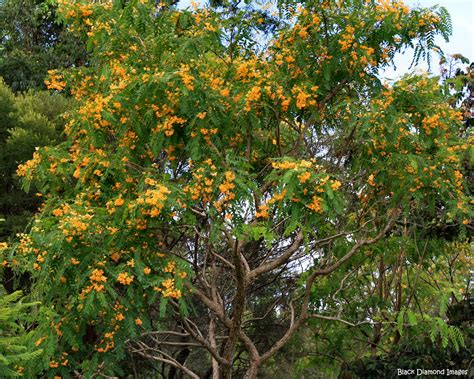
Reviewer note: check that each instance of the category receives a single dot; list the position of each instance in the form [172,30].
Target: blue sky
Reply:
[461,42]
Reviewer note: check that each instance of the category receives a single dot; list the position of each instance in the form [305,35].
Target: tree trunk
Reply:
[253,370]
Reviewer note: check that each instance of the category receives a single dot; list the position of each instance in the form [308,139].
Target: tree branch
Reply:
[277,261]
[168,359]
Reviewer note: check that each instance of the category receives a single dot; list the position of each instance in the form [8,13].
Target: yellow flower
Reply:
[55,81]
[29,166]
[254,94]
[125,278]
[58,212]
[303,33]
[335,184]
[301,99]
[170,267]
[304,177]
[119,202]
[262,211]
[316,204]
[98,276]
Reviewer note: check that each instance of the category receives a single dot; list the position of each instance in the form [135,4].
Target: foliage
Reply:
[14,352]
[33,42]
[28,121]
[415,351]
[408,331]
[407,324]
[202,169]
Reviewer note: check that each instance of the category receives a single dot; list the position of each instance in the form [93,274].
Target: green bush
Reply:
[15,351]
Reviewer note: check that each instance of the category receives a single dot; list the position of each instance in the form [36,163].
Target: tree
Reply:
[396,290]
[33,42]
[28,121]
[208,162]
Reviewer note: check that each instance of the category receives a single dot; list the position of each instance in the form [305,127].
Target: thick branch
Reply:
[266,267]
[295,324]
[215,308]
[353,251]
[212,305]
[238,306]
[209,346]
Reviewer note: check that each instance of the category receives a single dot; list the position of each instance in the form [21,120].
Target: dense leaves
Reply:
[15,353]
[32,41]
[201,171]
[28,121]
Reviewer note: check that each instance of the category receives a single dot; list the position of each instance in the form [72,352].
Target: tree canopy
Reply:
[237,177]
[33,41]
[27,121]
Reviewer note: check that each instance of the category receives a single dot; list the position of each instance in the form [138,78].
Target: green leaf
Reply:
[412,319]
[400,321]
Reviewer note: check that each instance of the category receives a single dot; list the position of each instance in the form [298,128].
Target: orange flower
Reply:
[125,278]
[57,212]
[40,341]
[98,276]
[119,202]
[371,180]
[262,211]
[304,177]
[316,204]
[301,99]
[335,184]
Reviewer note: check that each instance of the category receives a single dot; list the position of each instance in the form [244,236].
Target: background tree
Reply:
[200,171]
[28,121]
[32,42]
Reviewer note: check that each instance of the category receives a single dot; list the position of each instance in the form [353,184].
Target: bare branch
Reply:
[168,359]
[204,343]
[221,258]
[212,305]
[294,325]
[166,332]
[332,318]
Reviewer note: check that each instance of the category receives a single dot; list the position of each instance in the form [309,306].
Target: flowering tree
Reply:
[219,152]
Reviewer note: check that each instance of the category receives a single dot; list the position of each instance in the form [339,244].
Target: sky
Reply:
[461,41]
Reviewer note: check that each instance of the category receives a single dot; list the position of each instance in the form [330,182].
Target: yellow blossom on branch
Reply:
[125,278]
